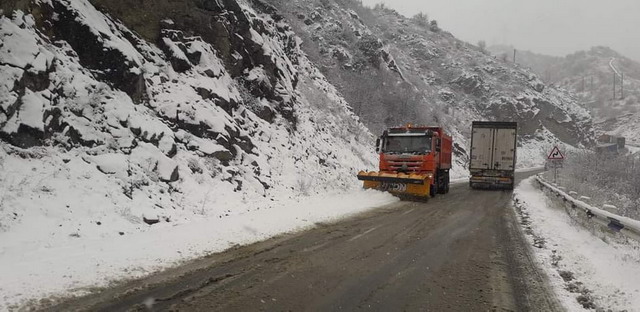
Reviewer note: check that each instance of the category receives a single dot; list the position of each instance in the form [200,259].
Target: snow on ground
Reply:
[67,262]
[581,266]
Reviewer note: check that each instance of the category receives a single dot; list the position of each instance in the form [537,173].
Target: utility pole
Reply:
[514,55]
[614,86]
[622,86]
[591,83]
[583,87]
[548,76]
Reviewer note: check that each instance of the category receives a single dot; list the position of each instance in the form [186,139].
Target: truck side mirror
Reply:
[377,145]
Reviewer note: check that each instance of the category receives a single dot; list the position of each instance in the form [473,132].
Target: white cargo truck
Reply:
[492,161]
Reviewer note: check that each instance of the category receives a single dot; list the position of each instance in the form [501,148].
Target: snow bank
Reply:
[609,271]
[67,262]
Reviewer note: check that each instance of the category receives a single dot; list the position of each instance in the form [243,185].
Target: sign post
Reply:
[556,157]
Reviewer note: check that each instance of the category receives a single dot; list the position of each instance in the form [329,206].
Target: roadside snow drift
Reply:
[587,270]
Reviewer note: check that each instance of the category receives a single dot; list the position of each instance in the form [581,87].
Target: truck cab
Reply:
[414,160]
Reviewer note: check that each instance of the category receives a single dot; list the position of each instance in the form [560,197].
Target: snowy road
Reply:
[462,251]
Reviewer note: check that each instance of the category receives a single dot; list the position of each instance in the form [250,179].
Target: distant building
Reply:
[605,138]
[610,144]
[608,148]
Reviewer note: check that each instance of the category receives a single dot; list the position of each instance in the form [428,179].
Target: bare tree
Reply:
[483,46]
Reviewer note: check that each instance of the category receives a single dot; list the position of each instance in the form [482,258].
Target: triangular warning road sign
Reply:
[555,154]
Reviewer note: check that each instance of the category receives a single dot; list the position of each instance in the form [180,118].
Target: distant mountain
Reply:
[590,75]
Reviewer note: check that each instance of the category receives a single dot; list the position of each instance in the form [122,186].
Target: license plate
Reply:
[393,187]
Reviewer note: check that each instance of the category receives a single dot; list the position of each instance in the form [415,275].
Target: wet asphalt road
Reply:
[462,251]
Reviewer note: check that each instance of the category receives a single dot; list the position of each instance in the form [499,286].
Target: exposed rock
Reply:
[175,51]
[120,70]
[471,84]
[224,156]
[149,221]
[172,177]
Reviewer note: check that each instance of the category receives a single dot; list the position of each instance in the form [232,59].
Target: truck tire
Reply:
[440,183]
[447,182]
[443,182]
[433,190]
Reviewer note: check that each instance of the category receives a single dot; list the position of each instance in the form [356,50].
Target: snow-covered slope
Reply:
[164,130]
[103,132]
[417,72]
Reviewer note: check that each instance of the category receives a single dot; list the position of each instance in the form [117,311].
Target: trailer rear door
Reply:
[481,148]
[504,149]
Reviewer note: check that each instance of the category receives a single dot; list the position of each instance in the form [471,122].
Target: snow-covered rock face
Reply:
[420,74]
[97,123]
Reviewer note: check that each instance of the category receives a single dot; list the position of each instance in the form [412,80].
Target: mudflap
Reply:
[405,186]
[491,183]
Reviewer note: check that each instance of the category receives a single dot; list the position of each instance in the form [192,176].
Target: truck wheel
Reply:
[443,182]
[447,182]
[433,190]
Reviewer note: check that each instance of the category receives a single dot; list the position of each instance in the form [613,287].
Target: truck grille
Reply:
[410,165]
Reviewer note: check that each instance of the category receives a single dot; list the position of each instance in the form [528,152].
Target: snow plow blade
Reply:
[397,183]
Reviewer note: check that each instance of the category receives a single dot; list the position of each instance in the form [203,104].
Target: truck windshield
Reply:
[407,144]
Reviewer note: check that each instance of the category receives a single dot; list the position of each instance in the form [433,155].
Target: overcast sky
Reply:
[554,27]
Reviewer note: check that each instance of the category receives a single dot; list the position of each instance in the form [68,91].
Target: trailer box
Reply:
[492,161]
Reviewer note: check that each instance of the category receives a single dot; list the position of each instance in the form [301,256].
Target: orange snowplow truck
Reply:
[414,161]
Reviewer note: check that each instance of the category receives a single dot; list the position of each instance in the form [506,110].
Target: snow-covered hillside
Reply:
[104,133]
[168,130]
[418,72]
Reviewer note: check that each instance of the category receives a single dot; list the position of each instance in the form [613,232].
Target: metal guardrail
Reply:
[626,226]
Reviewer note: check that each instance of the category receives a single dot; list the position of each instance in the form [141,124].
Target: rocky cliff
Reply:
[157,111]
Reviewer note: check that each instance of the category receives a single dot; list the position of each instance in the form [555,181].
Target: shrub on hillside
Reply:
[370,47]
[433,26]
[421,19]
